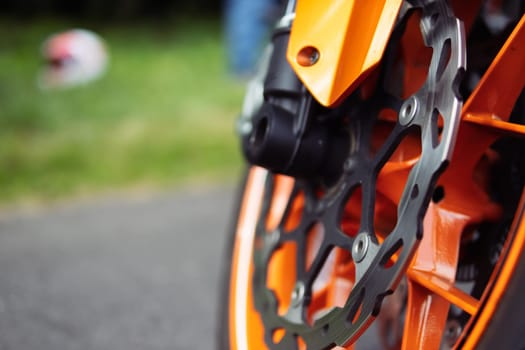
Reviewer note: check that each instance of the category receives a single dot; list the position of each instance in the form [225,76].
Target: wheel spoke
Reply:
[290,206]
[491,103]
[495,125]
[444,289]
[463,193]
[425,319]
[503,81]
[435,260]
[439,248]
[281,201]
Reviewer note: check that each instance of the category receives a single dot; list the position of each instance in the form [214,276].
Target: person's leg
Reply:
[246,24]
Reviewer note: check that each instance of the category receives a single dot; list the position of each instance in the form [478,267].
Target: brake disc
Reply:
[374,279]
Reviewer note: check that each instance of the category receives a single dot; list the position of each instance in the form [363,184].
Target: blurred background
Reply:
[115,193]
[162,115]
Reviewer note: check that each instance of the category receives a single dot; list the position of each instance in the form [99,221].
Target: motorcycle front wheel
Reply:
[464,284]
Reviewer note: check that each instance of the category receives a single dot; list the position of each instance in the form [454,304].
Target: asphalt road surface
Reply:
[111,274]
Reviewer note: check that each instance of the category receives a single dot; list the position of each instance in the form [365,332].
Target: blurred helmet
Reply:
[72,58]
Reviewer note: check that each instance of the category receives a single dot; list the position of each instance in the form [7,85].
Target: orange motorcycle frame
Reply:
[335,44]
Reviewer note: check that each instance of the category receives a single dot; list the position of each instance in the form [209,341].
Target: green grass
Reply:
[162,116]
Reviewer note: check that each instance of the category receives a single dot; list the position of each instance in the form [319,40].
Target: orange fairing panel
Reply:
[347,39]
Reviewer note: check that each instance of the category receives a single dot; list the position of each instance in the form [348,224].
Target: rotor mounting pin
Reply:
[298,294]
[408,110]
[360,247]
[319,209]
[349,165]
[273,238]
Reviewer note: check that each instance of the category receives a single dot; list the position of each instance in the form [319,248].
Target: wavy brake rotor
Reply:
[434,112]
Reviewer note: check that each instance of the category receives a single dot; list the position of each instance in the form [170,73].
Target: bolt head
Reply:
[298,294]
[349,165]
[319,209]
[408,110]
[360,247]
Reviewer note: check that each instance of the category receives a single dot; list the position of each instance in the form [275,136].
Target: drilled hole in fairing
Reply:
[282,275]
[308,56]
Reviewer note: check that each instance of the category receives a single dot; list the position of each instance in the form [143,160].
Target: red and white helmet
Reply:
[72,58]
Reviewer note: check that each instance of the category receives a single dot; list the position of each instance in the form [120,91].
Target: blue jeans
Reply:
[247,24]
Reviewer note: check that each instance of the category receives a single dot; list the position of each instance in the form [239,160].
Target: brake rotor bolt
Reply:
[348,166]
[274,236]
[408,110]
[298,294]
[360,247]
[320,208]
[271,239]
